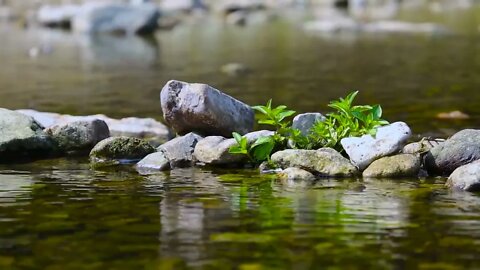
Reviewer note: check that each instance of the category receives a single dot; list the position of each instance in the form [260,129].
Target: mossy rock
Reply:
[120,150]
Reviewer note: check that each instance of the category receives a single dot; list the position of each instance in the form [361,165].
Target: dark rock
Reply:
[79,136]
[21,137]
[322,162]
[462,148]
[203,109]
[305,121]
[120,150]
[179,151]
[403,165]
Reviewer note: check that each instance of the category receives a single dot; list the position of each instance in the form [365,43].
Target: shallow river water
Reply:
[61,214]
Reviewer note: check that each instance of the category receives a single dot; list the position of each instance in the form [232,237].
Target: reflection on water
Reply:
[73,217]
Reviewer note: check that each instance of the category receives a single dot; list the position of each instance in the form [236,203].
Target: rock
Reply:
[234,69]
[305,121]
[399,27]
[179,151]
[403,165]
[422,146]
[144,128]
[237,18]
[203,109]
[120,150]
[79,136]
[174,6]
[460,149]
[229,6]
[105,17]
[154,162]
[22,137]
[466,177]
[266,168]
[453,115]
[215,149]
[59,16]
[333,25]
[296,174]
[323,162]
[366,149]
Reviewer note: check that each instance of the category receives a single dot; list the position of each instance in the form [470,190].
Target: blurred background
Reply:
[418,58]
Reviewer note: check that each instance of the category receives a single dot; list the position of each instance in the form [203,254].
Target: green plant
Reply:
[347,121]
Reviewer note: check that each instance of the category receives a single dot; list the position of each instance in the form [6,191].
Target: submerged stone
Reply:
[466,177]
[323,162]
[403,165]
[120,150]
[79,136]
[388,140]
[203,109]
[22,137]
[462,148]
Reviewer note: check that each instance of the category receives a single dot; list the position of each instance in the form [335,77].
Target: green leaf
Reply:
[237,137]
[377,111]
[261,109]
[285,114]
[262,148]
[267,122]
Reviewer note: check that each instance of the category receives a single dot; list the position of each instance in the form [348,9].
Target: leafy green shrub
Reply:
[346,121]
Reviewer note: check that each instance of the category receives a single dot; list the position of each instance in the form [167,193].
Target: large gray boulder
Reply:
[388,140]
[466,177]
[119,150]
[305,121]
[22,137]
[108,17]
[215,149]
[322,162]
[203,109]
[179,151]
[403,165]
[79,136]
[154,162]
[462,148]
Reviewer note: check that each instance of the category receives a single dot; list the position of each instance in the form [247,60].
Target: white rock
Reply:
[366,149]
[466,177]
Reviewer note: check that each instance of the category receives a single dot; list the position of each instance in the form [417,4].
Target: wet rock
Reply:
[230,6]
[234,69]
[335,25]
[215,149]
[79,136]
[22,137]
[59,16]
[296,174]
[422,146]
[466,177]
[105,17]
[305,121]
[119,150]
[389,140]
[204,110]
[403,165]
[453,115]
[144,128]
[154,162]
[323,162]
[265,168]
[179,151]
[400,27]
[462,148]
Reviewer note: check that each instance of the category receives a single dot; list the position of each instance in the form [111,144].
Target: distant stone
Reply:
[79,136]
[388,140]
[204,110]
[305,121]
[179,151]
[21,137]
[215,149]
[421,147]
[403,165]
[108,17]
[466,177]
[453,115]
[144,128]
[59,16]
[329,26]
[237,18]
[120,150]
[296,174]
[154,162]
[234,69]
[401,27]
[324,162]
[462,148]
